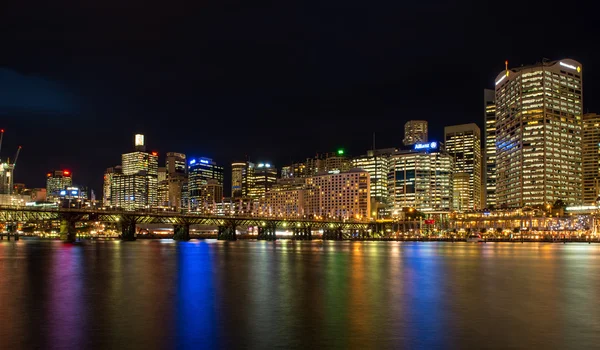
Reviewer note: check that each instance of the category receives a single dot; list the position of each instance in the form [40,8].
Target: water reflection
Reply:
[284,294]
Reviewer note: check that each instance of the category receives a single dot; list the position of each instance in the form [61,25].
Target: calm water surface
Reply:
[263,295]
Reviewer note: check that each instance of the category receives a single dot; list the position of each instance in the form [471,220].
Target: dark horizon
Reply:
[274,82]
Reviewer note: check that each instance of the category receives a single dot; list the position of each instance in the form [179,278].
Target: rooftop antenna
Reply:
[1,137]
[373,141]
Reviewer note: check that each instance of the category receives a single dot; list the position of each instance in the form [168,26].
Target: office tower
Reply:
[421,179]
[130,192]
[415,131]
[136,185]
[238,171]
[343,195]
[376,163]
[538,134]
[56,181]
[176,177]
[108,181]
[297,170]
[6,178]
[163,188]
[324,163]
[200,171]
[463,143]
[489,154]
[264,177]
[175,163]
[591,158]
[144,163]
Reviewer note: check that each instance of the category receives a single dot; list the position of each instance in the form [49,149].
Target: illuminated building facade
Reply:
[343,195]
[6,178]
[590,148]
[298,170]
[415,131]
[201,190]
[284,203]
[463,143]
[238,171]
[489,154]
[539,134]
[56,181]
[108,181]
[376,163]
[130,192]
[176,177]
[163,188]
[421,179]
[263,178]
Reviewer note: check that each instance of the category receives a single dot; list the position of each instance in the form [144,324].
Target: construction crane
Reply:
[16,157]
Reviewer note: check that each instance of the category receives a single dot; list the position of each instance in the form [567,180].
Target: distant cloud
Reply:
[22,94]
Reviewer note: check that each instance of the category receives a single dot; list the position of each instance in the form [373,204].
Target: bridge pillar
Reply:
[333,234]
[227,231]
[128,226]
[267,232]
[181,232]
[68,233]
[302,233]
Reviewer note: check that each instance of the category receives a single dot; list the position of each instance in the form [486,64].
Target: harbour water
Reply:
[161,294]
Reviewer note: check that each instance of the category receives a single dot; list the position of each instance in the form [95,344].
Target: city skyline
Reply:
[255,73]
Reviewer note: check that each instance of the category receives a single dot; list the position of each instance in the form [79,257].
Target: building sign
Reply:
[139,140]
[429,145]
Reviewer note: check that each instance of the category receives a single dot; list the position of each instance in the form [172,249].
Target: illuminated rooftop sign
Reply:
[570,66]
[340,152]
[429,145]
[203,161]
[139,140]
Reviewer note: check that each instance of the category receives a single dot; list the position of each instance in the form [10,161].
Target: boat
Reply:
[474,238]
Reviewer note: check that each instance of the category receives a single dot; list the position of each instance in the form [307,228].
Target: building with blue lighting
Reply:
[205,183]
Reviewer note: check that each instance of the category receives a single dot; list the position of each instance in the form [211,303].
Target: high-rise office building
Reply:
[415,131]
[176,176]
[56,181]
[175,163]
[538,134]
[323,163]
[590,148]
[463,143]
[421,179]
[108,183]
[163,188]
[136,187]
[238,170]
[489,154]
[264,177]
[200,171]
[376,163]
[6,178]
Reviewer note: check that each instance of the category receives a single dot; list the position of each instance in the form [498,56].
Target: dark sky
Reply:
[274,80]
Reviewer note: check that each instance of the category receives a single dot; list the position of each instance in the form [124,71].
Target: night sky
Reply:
[272,80]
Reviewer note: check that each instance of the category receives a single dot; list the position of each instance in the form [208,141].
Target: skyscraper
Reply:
[538,134]
[489,154]
[415,131]
[421,179]
[200,171]
[108,181]
[176,177]
[264,177]
[56,181]
[238,171]
[591,157]
[136,187]
[463,143]
[376,163]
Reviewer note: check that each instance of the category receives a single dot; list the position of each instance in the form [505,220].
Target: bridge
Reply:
[127,221]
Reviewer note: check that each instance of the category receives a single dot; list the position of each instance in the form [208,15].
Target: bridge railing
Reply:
[165,213]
